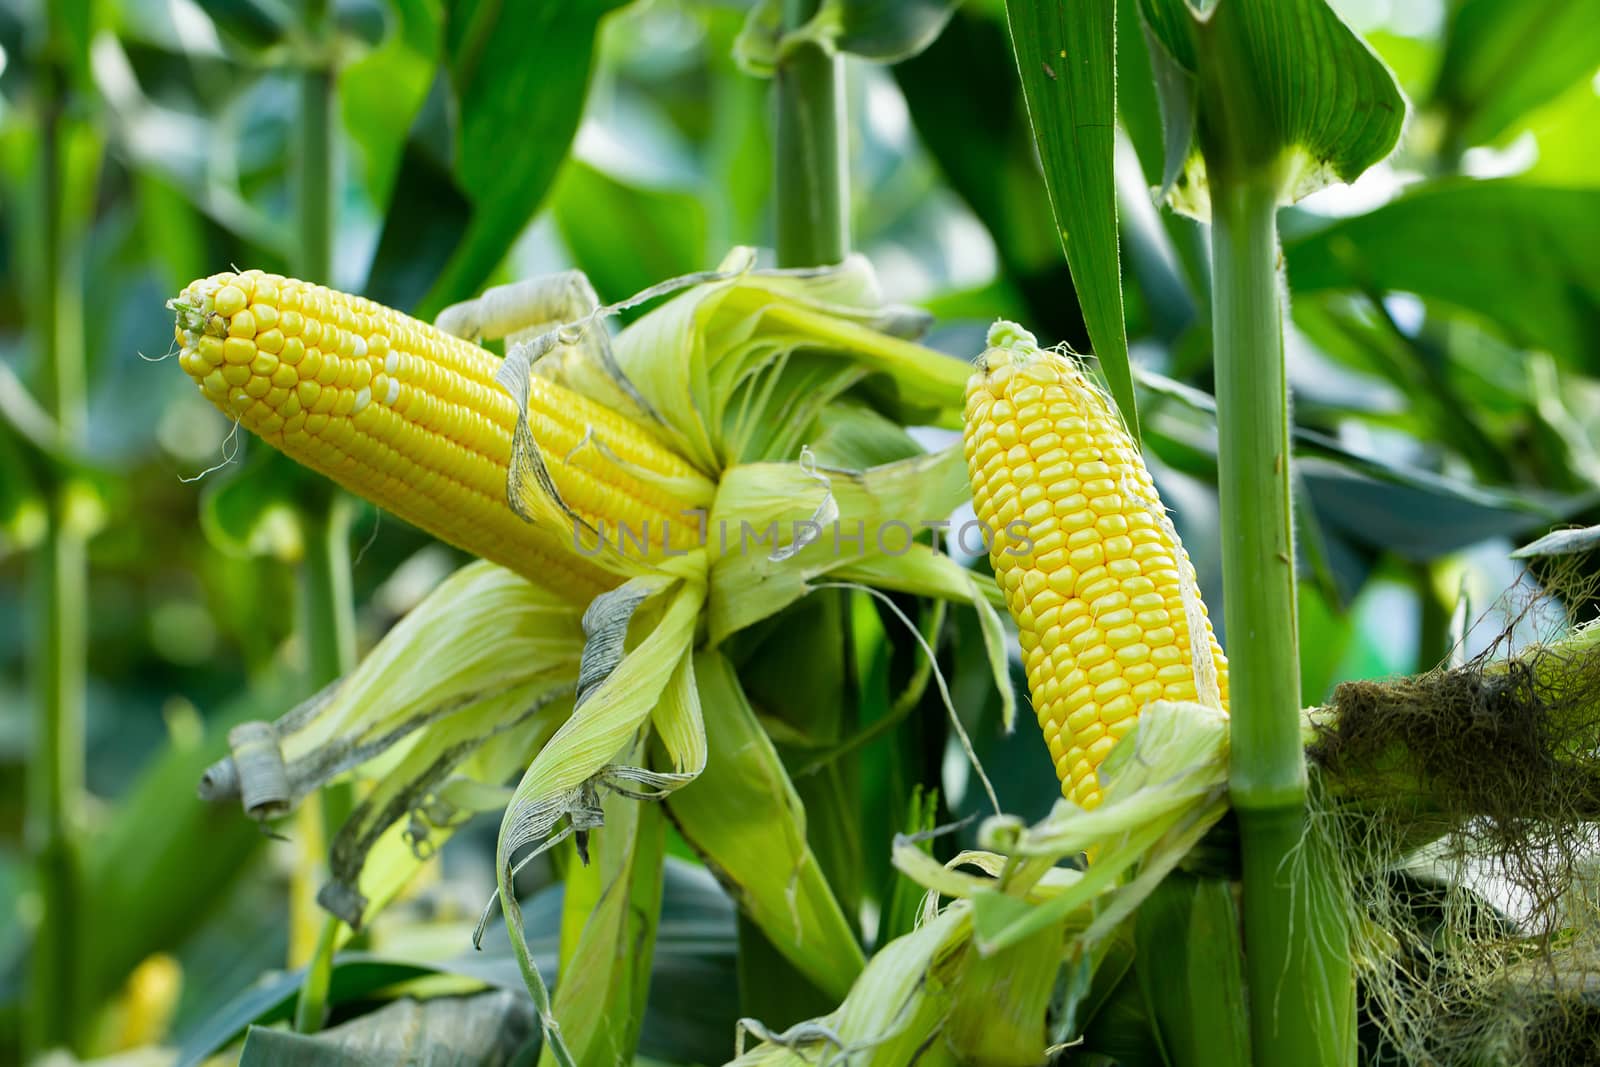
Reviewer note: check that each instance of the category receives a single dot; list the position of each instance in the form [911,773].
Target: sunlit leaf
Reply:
[380,92]
[1278,86]
[1518,255]
[518,76]
[624,236]
[1501,60]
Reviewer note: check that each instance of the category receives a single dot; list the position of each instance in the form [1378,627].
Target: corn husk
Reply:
[744,818]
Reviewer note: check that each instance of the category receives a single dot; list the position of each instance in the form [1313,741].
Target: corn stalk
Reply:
[327,621]
[55,782]
[812,194]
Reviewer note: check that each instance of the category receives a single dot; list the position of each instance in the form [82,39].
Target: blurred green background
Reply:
[1444,359]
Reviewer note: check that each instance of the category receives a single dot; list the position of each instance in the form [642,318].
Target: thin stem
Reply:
[1296,956]
[326,623]
[314,174]
[812,179]
[327,620]
[55,781]
[311,1010]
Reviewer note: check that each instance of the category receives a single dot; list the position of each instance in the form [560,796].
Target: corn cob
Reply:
[1081,547]
[411,418]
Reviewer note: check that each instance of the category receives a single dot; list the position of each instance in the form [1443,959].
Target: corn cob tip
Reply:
[1011,338]
[279,354]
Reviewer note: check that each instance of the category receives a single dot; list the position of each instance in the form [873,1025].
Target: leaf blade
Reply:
[1066,56]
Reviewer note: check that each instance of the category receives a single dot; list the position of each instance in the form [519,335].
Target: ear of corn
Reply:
[411,418]
[1100,588]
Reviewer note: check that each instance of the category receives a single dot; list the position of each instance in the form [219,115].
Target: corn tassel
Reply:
[411,418]
[1101,590]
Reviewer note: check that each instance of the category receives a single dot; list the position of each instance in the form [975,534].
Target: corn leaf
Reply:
[885,31]
[1503,60]
[626,236]
[603,723]
[1066,54]
[739,367]
[482,633]
[522,66]
[743,816]
[1530,249]
[441,1032]
[379,93]
[417,804]
[1188,963]
[894,1012]
[1272,85]
[1166,785]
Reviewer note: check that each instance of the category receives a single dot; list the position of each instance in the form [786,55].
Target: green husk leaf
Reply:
[481,634]
[769,509]
[427,796]
[615,901]
[894,1011]
[745,820]
[610,715]
[1561,543]
[1166,785]
[736,366]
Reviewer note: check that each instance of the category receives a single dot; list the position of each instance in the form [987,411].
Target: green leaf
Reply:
[1189,966]
[490,1028]
[691,997]
[743,816]
[1280,86]
[22,507]
[1502,60]
[170,859]
[1372,501]
[1423,517]
[1066,54]
[518,77]
[890,30]
[1518,255]
[380,93]
[613,905]
[251,511]
[1561,543]
[884,31]
[249,25]
[625,237]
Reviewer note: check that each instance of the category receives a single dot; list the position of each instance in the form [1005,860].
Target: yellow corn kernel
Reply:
[411,418]
[1121,637]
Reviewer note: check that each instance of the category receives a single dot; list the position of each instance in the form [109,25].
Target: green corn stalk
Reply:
[65,177]
[327,619]
[812,189]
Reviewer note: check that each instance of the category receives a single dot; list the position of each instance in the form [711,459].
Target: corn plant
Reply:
[637,559]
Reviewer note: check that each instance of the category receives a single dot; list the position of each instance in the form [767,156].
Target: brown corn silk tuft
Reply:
[1084,553]
[411,418]
[1462,806]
